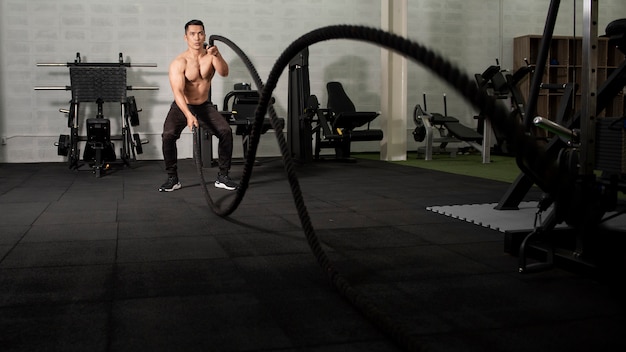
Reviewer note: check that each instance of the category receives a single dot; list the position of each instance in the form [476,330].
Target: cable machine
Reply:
[299,126]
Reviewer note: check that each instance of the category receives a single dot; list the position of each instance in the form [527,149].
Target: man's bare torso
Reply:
[198,72]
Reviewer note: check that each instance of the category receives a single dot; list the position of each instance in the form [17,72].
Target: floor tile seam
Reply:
[248,226]
[124,238]
[23,202]
[47,303]
[379,248]
[287,234]
[21,181]
[118,300]
[271,255]
[327,231]
[121,263]
[58,266]
[67,241]
[30,227]
[76,223]
[54,266]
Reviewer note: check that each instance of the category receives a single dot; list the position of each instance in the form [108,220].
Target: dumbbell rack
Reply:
[99,83]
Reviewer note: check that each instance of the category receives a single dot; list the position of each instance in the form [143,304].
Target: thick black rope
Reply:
[495,110]
[252,147]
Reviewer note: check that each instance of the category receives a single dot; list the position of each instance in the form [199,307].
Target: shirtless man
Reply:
[190,76]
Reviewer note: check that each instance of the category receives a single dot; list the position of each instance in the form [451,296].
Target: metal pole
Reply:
[589,82]
[540,65]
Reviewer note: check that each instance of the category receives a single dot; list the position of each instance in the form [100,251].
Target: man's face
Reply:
[195,36]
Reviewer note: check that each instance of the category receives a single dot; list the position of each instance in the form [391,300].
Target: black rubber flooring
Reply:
[110,264]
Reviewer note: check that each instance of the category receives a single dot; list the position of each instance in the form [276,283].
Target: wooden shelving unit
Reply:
[565,66]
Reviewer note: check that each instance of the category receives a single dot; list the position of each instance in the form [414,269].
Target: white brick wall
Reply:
[151,31]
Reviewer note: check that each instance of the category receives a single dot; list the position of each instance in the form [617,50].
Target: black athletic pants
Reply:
[208,118]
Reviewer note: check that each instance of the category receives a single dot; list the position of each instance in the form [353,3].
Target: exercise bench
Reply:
[450,130]
[336,126]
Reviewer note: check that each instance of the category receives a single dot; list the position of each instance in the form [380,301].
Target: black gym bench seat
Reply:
[242,114]
[456,129]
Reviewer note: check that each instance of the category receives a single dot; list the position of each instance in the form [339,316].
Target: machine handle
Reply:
[54,88]
[70,88]
[554,128]
[553,86]
[141,88]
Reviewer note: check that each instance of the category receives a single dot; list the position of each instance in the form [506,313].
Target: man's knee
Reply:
[169,137]
[224,133]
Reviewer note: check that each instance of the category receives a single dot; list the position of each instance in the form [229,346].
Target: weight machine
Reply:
[243,102]
[99,83]
[581,168]
[238,109]
[502,85]
[333,127]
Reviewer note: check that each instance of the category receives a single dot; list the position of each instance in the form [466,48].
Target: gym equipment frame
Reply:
[99,83]
[243,102]
[585,157]
[450,130]
[241,113]
[333,127]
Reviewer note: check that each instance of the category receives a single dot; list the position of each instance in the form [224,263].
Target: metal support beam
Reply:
[589,82]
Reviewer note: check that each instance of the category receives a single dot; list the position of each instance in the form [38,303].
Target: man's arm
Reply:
[177,82]
[220,65]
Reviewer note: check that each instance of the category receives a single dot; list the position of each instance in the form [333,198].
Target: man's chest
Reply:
[198,70]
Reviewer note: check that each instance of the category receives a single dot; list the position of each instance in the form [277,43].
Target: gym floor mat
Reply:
[487,216]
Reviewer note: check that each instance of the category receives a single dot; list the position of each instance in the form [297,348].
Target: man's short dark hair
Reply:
[194,23]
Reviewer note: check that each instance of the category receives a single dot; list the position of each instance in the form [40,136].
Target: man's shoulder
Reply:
[179,61]
[182,57]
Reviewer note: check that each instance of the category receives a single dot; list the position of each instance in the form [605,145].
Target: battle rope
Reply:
[495,110]
[252,147]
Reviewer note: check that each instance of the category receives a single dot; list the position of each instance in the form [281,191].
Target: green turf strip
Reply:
[501,168]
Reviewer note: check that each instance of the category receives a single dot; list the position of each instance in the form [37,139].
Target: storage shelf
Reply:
[564,65]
